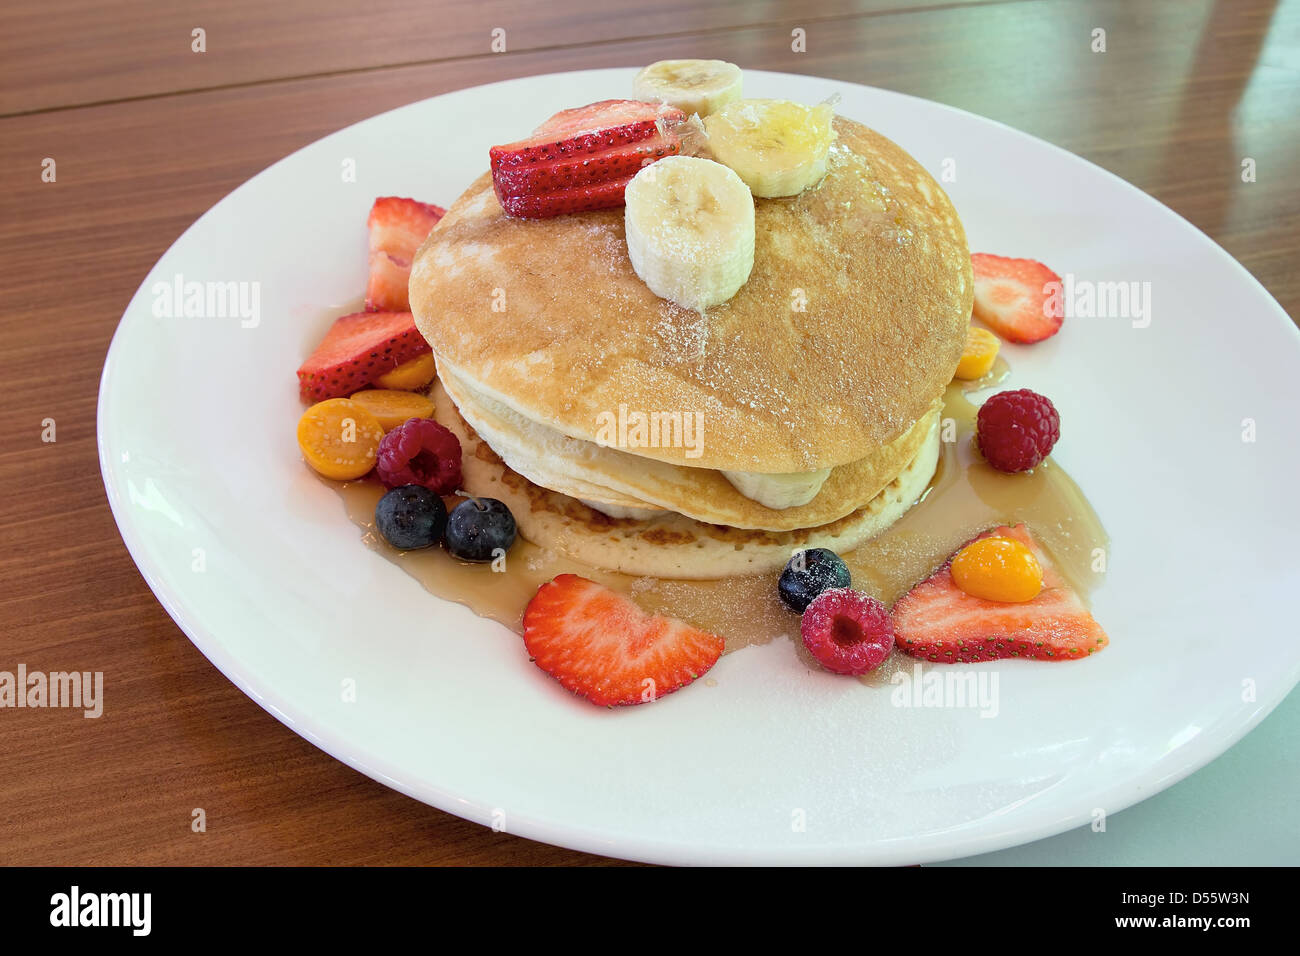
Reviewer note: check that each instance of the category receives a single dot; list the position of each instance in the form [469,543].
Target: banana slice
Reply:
[690,230]
[779,491]
[777,147]
[693,86]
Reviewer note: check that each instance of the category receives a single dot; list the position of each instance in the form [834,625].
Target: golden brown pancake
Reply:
[584,470]
[672,545]
[848,329]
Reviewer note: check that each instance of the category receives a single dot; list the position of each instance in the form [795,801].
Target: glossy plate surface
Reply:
[774,763]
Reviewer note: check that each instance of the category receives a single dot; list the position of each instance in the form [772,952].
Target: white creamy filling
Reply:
[531,452]
[619,511]
[787,490]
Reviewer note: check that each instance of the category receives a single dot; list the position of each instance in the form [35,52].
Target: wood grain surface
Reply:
[147,135]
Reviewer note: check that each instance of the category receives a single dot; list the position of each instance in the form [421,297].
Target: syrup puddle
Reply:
[965,497]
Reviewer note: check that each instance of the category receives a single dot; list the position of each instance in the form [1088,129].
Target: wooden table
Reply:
[146,134]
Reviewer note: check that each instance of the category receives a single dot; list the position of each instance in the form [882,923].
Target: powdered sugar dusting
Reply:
[683,335]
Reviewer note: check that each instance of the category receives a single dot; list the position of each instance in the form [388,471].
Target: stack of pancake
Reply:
[803,412]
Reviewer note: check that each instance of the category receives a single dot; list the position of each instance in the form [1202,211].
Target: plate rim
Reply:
[926,848]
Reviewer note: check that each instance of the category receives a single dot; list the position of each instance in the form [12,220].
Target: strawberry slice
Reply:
[582,158]
[580,169]
[358,349]
[940,622]
[529,205]
[1016,298]
[397,228]
[599,644]
[589,129]
[628,116]
[386,289]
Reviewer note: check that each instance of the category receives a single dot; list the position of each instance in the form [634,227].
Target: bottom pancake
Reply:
[670,546]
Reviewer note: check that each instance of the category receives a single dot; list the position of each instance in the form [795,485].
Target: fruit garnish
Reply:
[847,631]
[1015,430]
[388,283]
[808,574]
[693,86]
[412,375]
[339,438]
[420,452]
[1014,297]
[411,517]
[391,407]
[398,225]
[356,350]
[562,202]
[689,225]
[590,129]
[777,147]
[601,645]
[564,174]
[397,228]
[479,529]
[998,569]
[978,356]
[938,621]
[583,158]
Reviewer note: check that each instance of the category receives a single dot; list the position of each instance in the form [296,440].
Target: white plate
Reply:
[196,424]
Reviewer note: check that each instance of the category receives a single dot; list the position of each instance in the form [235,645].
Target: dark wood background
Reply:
[148,134]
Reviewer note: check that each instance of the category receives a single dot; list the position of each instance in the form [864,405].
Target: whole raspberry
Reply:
[1016,430]
[420,452]
[847,631]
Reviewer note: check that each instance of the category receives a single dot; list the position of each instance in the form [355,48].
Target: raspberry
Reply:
[421,452]
[1016,430]
[847,631]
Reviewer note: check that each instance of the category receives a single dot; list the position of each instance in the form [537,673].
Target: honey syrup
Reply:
[965,497]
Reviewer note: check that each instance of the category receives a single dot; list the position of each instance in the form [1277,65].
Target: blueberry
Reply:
[411,517]
[478,527]
[808,574]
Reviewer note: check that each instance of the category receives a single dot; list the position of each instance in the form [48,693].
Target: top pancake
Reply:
[848,329]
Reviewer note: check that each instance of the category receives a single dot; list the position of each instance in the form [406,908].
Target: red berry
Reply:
[582,158]
[357,350]
[847,631]
[1015,298]
[598,643]
[397,227]
[938,621]
[421,452]
[1016,430]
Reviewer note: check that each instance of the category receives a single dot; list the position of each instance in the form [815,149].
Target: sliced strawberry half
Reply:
[530,205]
[358,349]
[580,169]
[1019,299]
[940,622]
[589,129]
[626,115]
[601,645]
[387,287]
[397,228]
[582,158]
